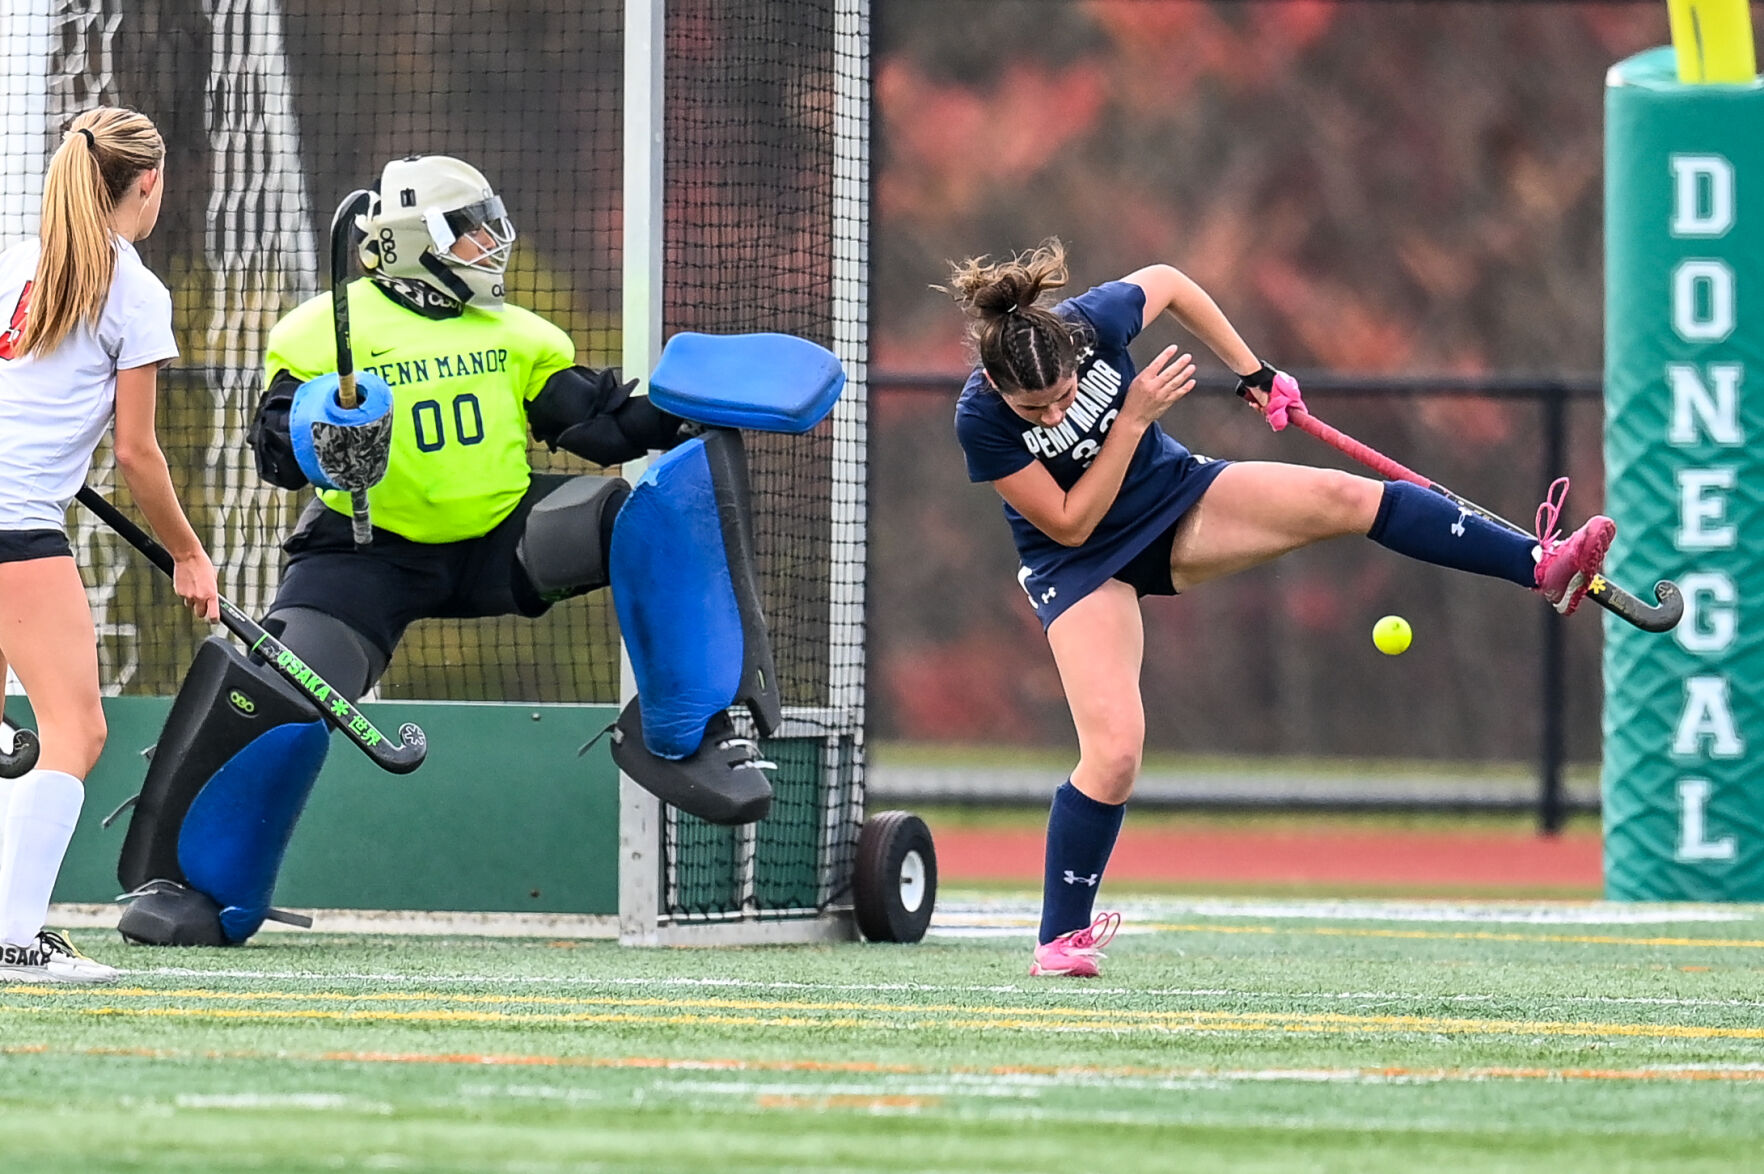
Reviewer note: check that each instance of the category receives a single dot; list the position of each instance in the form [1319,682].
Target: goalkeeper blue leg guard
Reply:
[229,779]
[683,583]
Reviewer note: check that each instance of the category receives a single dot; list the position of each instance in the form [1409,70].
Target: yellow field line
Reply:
[854,1067]
[671,1063]
[805,1013]
[441,1016]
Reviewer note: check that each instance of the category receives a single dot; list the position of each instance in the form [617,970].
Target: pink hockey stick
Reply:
[1614,599]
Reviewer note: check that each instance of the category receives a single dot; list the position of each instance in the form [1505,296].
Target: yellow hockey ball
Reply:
[1391,634]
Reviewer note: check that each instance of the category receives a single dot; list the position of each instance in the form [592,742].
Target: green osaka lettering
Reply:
[297,672]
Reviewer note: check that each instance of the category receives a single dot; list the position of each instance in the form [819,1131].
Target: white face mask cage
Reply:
[487,216]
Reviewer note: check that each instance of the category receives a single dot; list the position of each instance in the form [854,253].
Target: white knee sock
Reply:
[39,822]
[6,786]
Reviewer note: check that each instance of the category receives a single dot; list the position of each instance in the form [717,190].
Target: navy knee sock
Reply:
[1080,835]
[1426,525]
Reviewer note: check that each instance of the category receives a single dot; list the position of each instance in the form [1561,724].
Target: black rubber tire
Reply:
[895,886]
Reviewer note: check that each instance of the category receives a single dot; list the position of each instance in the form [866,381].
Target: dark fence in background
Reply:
[1276,662]
[1395,186]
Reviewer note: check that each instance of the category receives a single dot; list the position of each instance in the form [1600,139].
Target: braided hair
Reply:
[1020,343]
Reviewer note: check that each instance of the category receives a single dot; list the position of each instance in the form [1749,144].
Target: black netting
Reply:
[273,112]
[1394,188]
[756,139]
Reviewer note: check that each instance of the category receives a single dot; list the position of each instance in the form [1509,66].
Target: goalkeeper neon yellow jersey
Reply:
[460,388]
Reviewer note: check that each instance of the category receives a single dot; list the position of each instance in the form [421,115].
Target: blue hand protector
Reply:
[338,447]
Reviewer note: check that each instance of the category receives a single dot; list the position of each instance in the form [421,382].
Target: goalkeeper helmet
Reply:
[435,221]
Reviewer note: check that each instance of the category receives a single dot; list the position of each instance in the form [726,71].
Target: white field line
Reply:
[905,1086]
[1013,913]
[1015,1094]
[1005,917]
[1029,1087]
[1189,1111]
[1024,1090]
[1002,1082]
[315,1101]
[530,1092]
[1084,993]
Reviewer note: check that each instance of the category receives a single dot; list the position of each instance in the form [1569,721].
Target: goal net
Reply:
[273,111]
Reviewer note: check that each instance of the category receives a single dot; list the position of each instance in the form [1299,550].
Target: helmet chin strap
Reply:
[444,274]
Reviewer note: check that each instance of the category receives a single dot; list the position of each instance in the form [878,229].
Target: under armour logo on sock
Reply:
[1458,526]
[1073,878]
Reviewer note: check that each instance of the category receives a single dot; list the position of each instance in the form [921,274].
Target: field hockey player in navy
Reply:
[1106,507]
[87,328]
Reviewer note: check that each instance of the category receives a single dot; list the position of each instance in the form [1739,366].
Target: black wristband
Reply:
[1262,379]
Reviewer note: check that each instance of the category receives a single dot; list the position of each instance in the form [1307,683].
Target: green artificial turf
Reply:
[1223,1035]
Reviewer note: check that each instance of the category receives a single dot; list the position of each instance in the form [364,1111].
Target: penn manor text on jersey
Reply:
[1096,390]
[484,362]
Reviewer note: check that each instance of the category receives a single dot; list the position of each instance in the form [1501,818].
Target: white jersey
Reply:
[54,407]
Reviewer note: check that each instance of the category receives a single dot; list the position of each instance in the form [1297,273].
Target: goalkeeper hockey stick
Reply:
[1660,617]
[400,757]
[342,226]
[23,755]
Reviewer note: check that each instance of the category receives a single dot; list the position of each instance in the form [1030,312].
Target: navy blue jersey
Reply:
[1163,480]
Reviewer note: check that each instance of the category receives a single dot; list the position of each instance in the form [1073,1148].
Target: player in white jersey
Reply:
[84,327]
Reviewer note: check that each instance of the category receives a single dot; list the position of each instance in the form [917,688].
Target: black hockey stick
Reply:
[23,755]
[1660,617]
[342,242]
[399,758]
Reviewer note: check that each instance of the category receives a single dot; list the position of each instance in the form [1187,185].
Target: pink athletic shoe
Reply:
[1566,567]
[1076,954]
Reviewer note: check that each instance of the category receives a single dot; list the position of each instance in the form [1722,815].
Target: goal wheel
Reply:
[895,885]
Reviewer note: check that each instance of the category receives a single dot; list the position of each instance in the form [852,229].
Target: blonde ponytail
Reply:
[104,151]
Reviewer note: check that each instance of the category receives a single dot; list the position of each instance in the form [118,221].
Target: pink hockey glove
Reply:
[1282,391]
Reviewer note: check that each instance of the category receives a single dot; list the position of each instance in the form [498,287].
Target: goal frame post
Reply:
[647,916]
